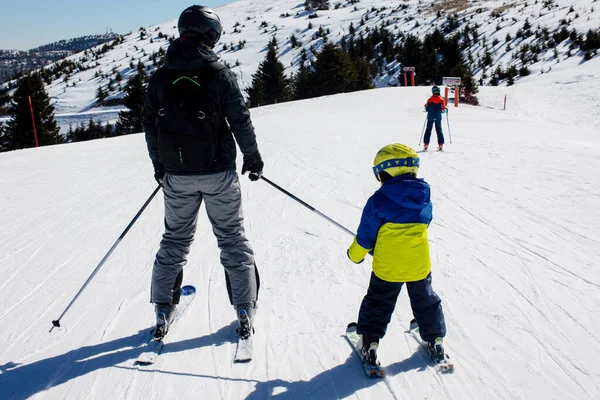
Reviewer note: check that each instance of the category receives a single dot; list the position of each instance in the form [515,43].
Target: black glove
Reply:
[159,172]
[254,164]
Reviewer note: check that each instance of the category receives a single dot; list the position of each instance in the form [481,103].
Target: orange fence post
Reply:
[405,83]
[412,78]
[456,95]
[446,95]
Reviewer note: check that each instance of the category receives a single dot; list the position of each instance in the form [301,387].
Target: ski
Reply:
[154,347]
[443,365]
[355,340]
[245,331]
[243,350]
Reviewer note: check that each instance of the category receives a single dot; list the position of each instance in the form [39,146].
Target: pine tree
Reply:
[468,87]
[364,78]
[130,121]
[94,130]
[302,83]
[256,91]
[410,55]
[2,138]
[19,132]
[4,99]
[333,71]
[269,83]
[71,134]
[101,95]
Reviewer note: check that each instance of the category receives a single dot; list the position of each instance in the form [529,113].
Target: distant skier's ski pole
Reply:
[56,323]
[308,206]
[423,130]
[448,121]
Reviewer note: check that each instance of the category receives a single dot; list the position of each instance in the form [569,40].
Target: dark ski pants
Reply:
[438,130]
[379,303]
[223,201]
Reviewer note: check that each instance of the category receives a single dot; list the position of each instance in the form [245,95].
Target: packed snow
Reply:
[514,244]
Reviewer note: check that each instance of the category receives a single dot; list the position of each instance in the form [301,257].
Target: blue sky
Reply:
[25,24]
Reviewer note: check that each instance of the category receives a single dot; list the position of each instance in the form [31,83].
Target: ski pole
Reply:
[423,130]
[308,206]
[448,121]
[56,323]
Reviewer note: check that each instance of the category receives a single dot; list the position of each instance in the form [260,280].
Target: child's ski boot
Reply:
[369,348]
[436,350]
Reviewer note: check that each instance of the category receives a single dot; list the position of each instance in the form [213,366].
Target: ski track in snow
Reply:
[514,245]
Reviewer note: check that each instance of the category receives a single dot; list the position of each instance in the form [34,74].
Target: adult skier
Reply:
[193,111]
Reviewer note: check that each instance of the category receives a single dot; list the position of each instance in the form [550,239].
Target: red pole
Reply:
[33,122]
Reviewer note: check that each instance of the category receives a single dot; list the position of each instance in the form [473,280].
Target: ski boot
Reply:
[425,146]
[245,313]
[436,350]
[440,147]
[370,344]
[164,316]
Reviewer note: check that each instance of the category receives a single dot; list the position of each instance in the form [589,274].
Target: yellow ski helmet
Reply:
[396,159]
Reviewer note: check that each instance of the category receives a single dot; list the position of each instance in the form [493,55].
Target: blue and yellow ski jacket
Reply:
[393,227]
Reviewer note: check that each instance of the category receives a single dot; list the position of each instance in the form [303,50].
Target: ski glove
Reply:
[253,163]
[445,111]
[159,172]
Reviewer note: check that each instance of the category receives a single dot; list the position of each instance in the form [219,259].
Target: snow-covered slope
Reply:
[514,245]
[255,22]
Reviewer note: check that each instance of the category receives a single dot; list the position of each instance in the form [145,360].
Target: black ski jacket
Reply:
[232,114]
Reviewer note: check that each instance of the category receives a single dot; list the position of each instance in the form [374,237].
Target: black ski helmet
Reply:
[201,23]
[435,90]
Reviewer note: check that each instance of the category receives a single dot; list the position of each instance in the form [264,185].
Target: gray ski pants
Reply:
[223,201]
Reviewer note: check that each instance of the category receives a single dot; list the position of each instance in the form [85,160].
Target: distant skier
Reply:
[435,107]
[193,105]
[393,228]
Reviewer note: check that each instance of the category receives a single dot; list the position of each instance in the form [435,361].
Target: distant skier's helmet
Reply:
[435,90]
[396,159]
[201,23]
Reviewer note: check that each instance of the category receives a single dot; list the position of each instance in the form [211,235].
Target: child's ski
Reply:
[355,340]
[154,347]
[443,365]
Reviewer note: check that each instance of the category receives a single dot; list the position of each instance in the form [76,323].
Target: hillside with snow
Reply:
[514,244]
[540,35]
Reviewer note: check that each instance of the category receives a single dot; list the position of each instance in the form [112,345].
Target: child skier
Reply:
[435,107]
[393,228]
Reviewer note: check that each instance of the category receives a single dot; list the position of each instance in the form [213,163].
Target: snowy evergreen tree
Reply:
[269,83]
[333,71]
[130,121]
[468,86]
[302,83]
[19,132]
[4,99]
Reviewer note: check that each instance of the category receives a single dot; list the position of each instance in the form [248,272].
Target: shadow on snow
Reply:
[21,381]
